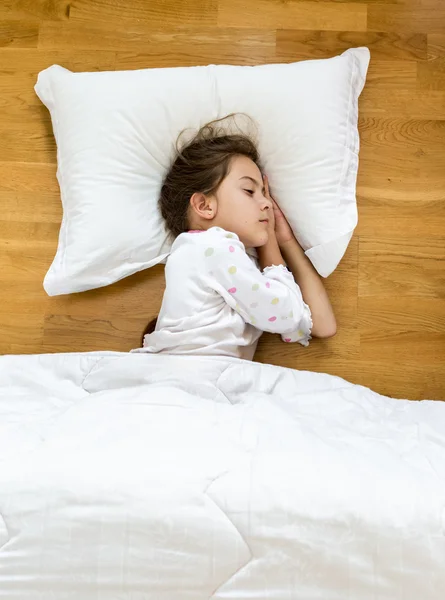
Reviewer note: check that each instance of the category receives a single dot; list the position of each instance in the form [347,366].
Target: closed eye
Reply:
[249,191]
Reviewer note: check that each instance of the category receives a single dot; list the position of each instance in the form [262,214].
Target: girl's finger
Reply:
[276,208]
[266,185]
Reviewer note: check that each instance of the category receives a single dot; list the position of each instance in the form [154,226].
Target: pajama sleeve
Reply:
[270,300]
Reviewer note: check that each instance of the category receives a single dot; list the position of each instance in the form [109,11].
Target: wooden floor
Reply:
[388,292]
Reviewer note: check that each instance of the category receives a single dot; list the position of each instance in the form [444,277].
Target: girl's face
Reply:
[239,205]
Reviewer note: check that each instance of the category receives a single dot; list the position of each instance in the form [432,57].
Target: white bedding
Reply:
[147,477]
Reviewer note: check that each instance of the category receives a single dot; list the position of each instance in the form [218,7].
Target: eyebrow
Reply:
[254,181]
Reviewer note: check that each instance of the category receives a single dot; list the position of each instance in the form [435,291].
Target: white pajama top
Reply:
[217,301]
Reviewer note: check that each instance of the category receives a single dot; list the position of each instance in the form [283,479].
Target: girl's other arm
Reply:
[312,289]
[307,278]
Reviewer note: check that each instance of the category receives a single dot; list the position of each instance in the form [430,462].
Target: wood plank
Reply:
[419,381]
[436,45]
[107,318]
[28,233]
[26,177]
[200,46]
[342,287]
[390,213]
[139,295]
[269,14]
[63,333]
[383,17]
[334,355]
[392,74]
[398,132]
[402,266]
[293,45]
[33,144]
[408,183]
[25,130]
[35,9]
[18,90]
[21,334]
[135,37]
[395,146]
[31,61]
[402,313]
[19,265]
[165,13]
[19,34]
[431,74]
[414,104]
[403,346]
[31,206]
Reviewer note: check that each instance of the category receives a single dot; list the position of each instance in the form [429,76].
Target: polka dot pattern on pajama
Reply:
[213,276]
[242,280]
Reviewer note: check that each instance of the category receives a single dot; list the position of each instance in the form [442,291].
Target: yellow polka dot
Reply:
[230,235]
[232,270]
[209,252]
[253,320]
[291,314]
[255,287]
[275,301]
[300,333]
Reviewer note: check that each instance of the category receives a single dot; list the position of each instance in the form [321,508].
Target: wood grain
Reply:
[37,9]
[408,18]
[431,75]
[28,177]
[26,61]
[304,45]
[403,266]
[201,46]
[388,292]
[436,45]
[18,34]
[269,14]
[164,13]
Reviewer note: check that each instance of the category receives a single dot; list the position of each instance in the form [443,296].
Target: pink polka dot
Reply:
[287,339]
[231,249]
[232,290]
[195,231]
[268,286]
[272,319]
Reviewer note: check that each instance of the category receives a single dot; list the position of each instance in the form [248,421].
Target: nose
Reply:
[266,204]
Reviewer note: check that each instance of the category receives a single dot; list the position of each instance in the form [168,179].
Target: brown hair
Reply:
[200,166]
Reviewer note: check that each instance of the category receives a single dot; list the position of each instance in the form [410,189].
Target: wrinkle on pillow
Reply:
[116,135]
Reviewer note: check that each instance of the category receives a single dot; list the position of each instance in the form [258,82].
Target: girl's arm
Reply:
[270,254]
[269,300]
[312,289]
[283,245]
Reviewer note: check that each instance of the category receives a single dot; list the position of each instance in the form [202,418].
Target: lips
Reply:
[264,220]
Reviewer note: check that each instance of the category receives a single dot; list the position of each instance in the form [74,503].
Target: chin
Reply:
[262,239]
[256,240]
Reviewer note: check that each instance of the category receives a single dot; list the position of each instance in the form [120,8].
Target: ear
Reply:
[203,206]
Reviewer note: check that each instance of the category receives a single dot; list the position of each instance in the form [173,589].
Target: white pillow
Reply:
[116,133]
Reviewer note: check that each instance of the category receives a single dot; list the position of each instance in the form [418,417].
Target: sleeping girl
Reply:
[218,299]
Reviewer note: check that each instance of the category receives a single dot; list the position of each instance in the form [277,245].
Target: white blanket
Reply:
[146,477]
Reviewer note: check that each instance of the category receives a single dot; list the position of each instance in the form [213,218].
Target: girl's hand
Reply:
[282,229]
